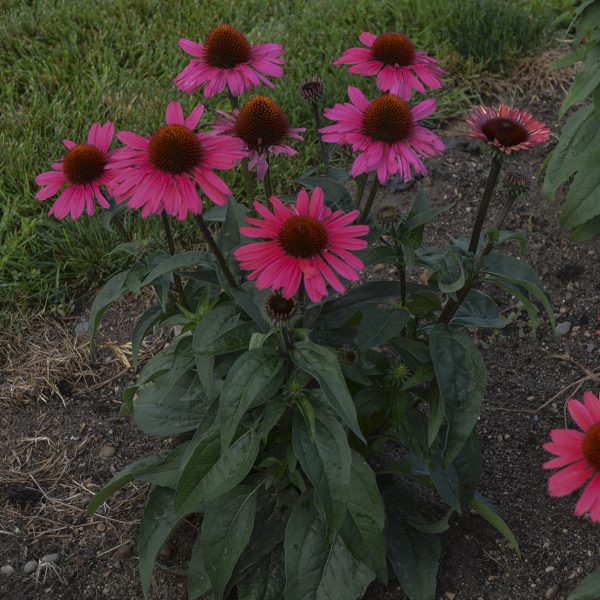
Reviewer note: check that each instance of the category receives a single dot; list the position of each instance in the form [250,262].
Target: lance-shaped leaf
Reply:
[362,530]
[379,325]
[198,582]
[324,366]
[588,589]
[158,521]
[181,260]
[315,568]
[253,379]
[267,579]
[226,530]
[221,331]
[201,481]
[113,289]
[460,374]
[326,462]
[480,505]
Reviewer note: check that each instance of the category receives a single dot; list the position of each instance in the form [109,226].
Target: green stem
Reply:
[361,184]
[488,191]
[171,246]
[268,183]
[372,193]
[210,240]
[317,117]
[119,223]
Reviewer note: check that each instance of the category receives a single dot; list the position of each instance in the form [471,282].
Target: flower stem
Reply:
[212,244]
[268,183]
[171,245]
[317,117]
[119,223]
[361,184]
[488,191]
[372,193]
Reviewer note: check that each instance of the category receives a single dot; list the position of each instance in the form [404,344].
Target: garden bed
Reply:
[73,441]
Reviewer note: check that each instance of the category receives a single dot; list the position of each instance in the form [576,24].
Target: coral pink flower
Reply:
[507,129]
[385,132]
[227,60]
[160,173]
[263,126]
[579,453]
[306,243]
[83,170]
[400,68]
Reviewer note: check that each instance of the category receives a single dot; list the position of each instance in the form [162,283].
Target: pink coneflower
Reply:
[227,60]
[306,243]
[579,453]
[160,173]
[264,127]
[82,170]
[385,132]
[400,68]
[507,129]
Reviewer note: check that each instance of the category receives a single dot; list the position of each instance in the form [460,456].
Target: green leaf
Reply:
[316,569]
[580,133]
[587,231]
[226,530]
[426,216]
[478,310]
[266,581]
[166,473]
[480,505]
[362,530]
[511,269]
[379,325]
[221,331]
[323,365]
[158,521]
[583,198]
[326,462]
[586,81]
[414,555]
[254,378]
[113,289]
[423,304]
[588,589]
[145,322]
[252,300]
[181,260]
[204,478]
[168,408]
[460,374]
[198,582]
[588,19]
[129,473]
[336,193]
[436,415]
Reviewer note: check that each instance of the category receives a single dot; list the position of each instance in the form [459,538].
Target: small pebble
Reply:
[7,570]
[549,569]
[563,328]
[50,558]
[107,451]
[30,566]
[101,527]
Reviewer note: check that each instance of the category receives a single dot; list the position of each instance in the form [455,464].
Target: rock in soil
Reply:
[107,451]
[51,558]
[30,566]
[7,570]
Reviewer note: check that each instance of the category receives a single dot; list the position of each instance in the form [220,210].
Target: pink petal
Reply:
[569,479]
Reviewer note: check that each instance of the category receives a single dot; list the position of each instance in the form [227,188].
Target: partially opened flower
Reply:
[160,173]
[507,129]
[82,171]
[579,453]
[264,127]
[305,243]
[226,60]
[400,68]
[385,132]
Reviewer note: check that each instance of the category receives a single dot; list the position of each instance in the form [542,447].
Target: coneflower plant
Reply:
[292,374]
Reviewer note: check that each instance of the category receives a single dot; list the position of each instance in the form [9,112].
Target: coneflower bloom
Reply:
[385,132]
[507,129]
[82,171]
[160,173]
[263,126]
[305,243]
[400,68]
[579,453]
[226,60]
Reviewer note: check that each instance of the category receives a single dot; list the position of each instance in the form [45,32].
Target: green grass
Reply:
[68,63]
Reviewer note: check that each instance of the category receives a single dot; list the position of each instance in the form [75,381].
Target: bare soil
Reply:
[57,443]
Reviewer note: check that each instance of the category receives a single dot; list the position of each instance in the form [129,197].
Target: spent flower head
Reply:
[312,90]
[280,311]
